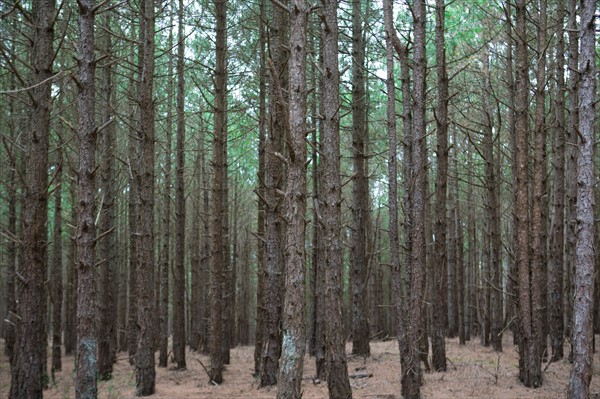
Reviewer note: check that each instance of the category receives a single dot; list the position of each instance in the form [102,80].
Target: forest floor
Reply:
[473,372]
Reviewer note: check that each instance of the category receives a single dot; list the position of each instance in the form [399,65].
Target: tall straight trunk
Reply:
[133,215]
[511,281]
[243,314]
[29,359]
[179,290]
[70,327]
[571,169]
[293,344]
[107,245]
[397,282]
[412,374]
[165,253]
[261,208]
[583,334]
[360,191]
[11,248]
[144,359]
[274,271]
[219,257]
[557,236]
[460,259]
[538,207]
[439,285]
[335,341]
[87,344]
[471,287]
[318,258]
[57,269]
[528,280]
[197,302]
[492,283]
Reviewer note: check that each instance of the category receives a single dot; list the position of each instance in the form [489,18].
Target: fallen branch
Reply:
[207,373]
[361,375]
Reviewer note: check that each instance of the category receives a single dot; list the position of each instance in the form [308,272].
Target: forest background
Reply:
[213,174]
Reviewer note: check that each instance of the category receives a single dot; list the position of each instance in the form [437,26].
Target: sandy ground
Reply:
[473,372]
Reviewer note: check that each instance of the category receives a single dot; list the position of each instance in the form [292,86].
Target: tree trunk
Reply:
[538,208]
[439,283]
[528,280]
[57,269]
[274,271]
[179,340]
[571,170]
[337,369]
[219,256]
[293,345]
[107,245]
[556,258]
[165,253]
[583,335]
[87,345]
[261,208]
[144,358]
[360,191]
[29,358]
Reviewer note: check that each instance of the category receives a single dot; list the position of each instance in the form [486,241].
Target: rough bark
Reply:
[165,253]
[144,358]
[29,359]
[293,344]
[274,271]
[556,258]
[260,219]
[107,245]
[179,333]
[538,207]
[87,344]
[492,282]
[571,170]
[218,260]
[360,191]
[70,333]
[528,290]
[583,335]
[57,269]
[439,285]
[11,249]
[335,341]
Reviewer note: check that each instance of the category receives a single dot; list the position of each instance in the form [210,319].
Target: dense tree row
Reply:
[291,175]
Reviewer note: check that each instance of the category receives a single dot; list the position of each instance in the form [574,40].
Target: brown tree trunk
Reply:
[144,357]
[538,208]
[528,279]
[261,208]
[165,253]
[274,271]
[460,263]
[335,341]
[87,345]
[219,256]
[57,269]
[70,328]
[360,191]
[293,344]
[439,283]
[492,281]
[11,248]
[29,358]
[583,335]
[179,340]
[133,213]
[556,258]
[571,170]
[107,245]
